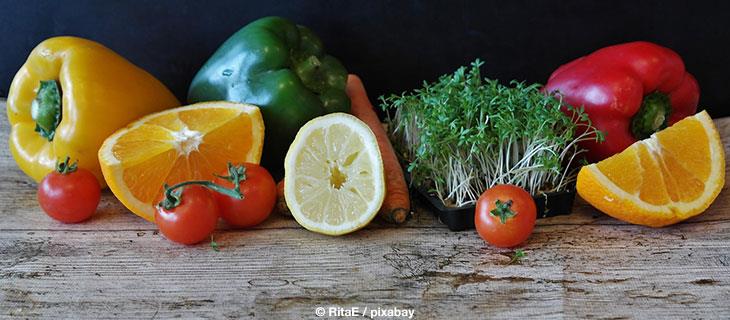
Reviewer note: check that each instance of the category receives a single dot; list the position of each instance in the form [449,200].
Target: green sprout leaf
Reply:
[463,134]
[214,245]
[517,256]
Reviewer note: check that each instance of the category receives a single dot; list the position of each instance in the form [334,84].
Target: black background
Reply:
[392,45]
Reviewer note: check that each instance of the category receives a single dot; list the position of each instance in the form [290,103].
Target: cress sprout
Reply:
[464,134]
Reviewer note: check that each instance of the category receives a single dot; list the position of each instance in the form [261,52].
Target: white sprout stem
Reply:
[462,173]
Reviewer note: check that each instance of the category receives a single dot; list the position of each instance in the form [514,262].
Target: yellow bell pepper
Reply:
[69,96]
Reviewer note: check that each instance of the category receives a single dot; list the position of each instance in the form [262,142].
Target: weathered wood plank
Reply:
[578,271]
[585,265]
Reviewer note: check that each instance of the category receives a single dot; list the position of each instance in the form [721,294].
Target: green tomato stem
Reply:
[236,174]
[503,210]
[173,194]
[66,168]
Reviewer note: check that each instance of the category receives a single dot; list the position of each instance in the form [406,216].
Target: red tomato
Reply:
[259,198]
[509,222]
[191,221]
[69,197]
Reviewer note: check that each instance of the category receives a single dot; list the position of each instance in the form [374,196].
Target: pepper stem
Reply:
[503,210]
[46,109]
[66,168]
[653,115]
[173,194]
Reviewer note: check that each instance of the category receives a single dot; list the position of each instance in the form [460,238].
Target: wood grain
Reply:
[585,265]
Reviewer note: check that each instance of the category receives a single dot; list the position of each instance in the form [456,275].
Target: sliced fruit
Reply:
[334,175]
[185,143]
[671,176]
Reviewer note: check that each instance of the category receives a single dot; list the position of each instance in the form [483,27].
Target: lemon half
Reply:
[334,175]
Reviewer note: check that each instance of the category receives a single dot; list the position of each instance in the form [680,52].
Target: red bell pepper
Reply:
[629,91]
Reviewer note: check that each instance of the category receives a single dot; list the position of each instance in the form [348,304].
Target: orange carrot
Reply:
[397,203]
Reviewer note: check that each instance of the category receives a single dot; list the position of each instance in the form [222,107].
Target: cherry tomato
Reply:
[259,198]
[192,220]
[70,194]
[505,215]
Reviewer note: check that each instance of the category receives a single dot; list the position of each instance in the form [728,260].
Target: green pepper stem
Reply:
[46,109]
[653,115]
[503,210]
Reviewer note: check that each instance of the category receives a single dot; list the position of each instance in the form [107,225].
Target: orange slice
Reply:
[671,176]
[186,143]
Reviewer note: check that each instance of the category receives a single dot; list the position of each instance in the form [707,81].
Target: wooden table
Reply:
[586,265]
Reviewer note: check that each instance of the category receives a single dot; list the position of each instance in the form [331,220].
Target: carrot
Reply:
[397,203]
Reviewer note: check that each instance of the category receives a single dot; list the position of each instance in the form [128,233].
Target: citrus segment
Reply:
[653,189]
[334,175]
[671,176]
[625,172]
[186,143]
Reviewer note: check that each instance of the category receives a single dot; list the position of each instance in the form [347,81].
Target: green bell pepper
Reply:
[280,67]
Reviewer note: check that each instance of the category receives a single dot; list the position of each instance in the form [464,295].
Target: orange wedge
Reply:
[186,143]
[671,176]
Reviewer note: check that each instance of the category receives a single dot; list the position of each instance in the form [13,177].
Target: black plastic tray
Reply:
[462,218]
